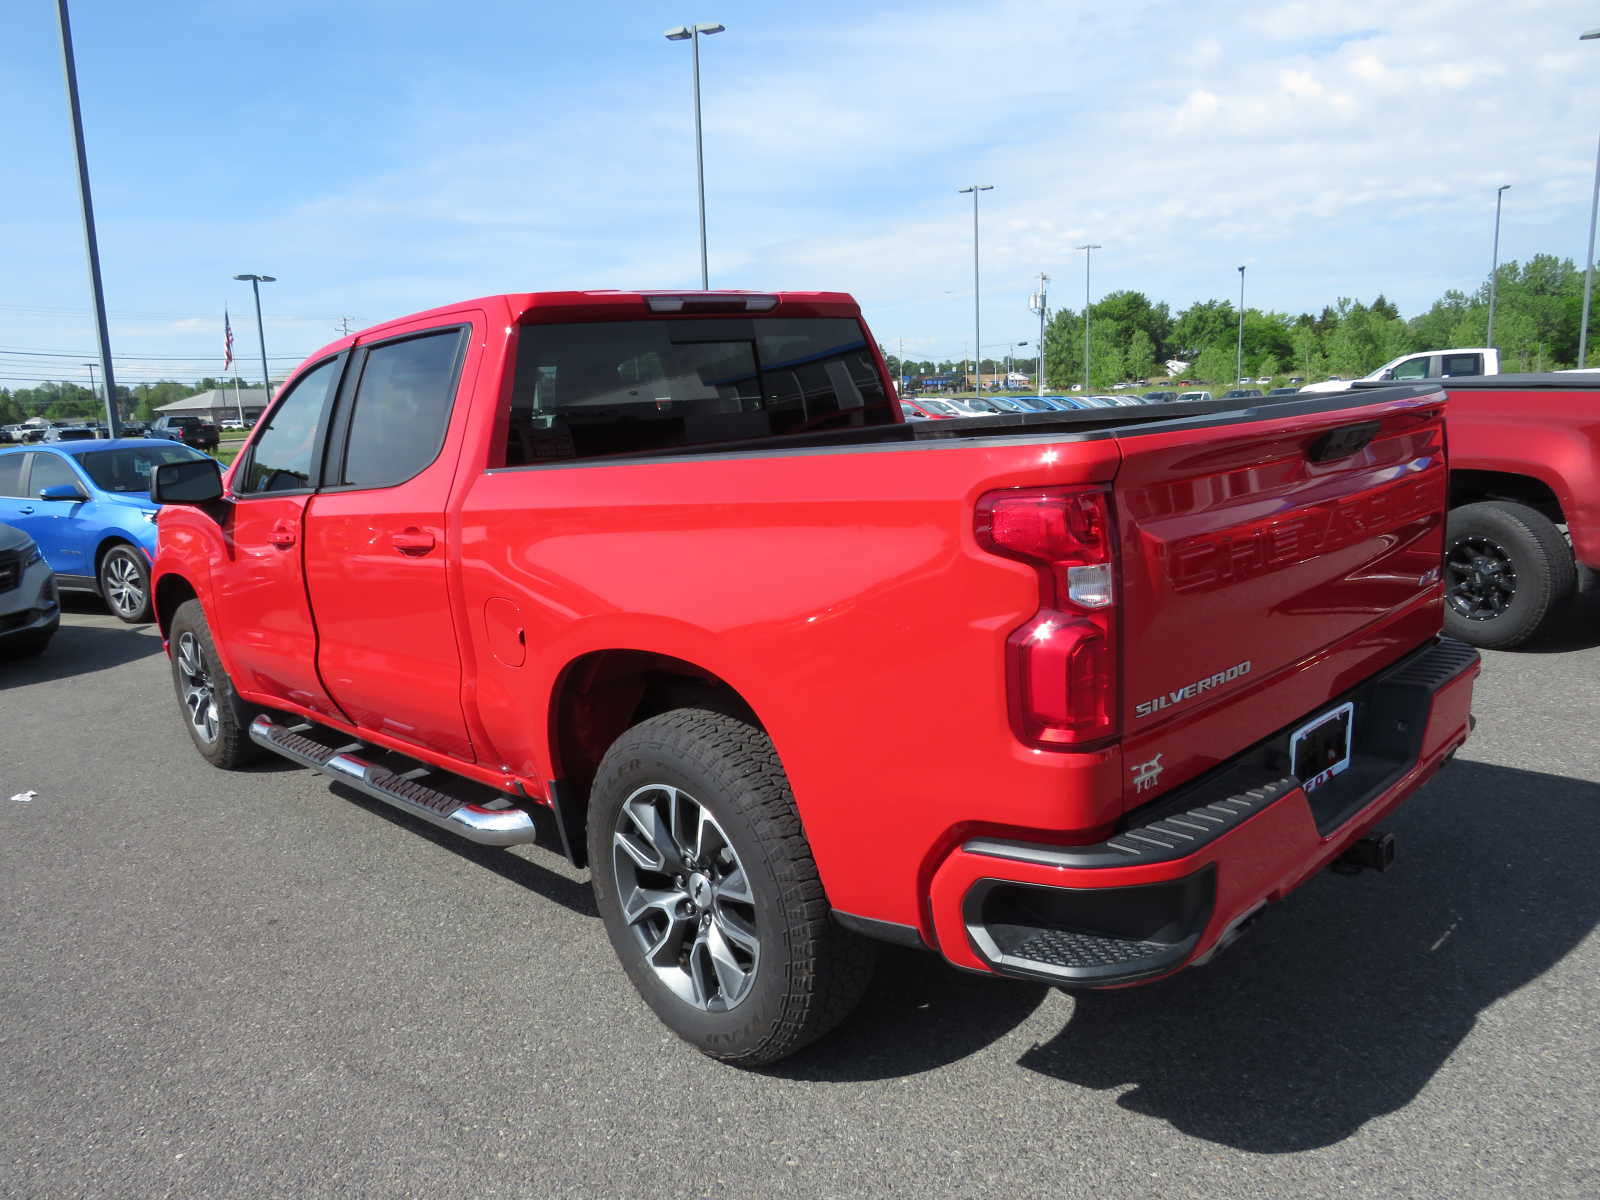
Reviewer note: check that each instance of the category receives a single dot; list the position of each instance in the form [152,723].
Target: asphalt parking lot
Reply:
[255,985]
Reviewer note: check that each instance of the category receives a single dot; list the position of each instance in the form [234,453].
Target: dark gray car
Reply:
[30,611]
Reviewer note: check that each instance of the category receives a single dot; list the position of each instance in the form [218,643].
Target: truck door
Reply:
[260,593]
[376,558]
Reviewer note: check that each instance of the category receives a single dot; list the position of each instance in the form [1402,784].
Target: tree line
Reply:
[1538,309]
[73,401]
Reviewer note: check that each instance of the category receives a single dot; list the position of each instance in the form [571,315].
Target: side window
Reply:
[402,406]
[1463,364]
[1412,368]
[280,461]
[50,471]
[11,474]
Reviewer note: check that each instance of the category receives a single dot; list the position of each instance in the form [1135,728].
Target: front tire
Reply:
[709,893]
[1508,569]
[217,720]
[125,584]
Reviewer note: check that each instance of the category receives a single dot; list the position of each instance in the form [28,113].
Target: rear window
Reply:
[593,389]
[128,468]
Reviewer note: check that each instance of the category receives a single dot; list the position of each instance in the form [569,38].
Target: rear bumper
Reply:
[1186,873]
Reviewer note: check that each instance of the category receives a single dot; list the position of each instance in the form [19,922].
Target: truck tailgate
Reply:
[1269,563]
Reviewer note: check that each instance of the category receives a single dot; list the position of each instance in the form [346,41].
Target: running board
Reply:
[486,826]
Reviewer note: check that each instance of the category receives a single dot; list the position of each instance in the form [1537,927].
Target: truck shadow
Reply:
[551,884]
[1338,1007]
[1578,628]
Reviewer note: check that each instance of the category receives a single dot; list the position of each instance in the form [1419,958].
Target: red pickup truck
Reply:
[1524,501]
[666,581]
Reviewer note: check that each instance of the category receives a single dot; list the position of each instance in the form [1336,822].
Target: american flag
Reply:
[227,341]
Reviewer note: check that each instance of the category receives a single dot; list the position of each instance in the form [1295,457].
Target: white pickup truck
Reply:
[1430,364]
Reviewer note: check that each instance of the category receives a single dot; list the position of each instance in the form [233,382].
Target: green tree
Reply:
[1139,357]
[1214,366]
[1204,324]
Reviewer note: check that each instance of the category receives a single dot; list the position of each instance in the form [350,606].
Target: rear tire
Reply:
[217,720]
[709,893]
[1508,569]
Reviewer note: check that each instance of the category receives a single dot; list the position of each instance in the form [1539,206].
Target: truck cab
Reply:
[1430,364]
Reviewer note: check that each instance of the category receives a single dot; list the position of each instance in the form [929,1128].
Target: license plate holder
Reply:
[1321,748]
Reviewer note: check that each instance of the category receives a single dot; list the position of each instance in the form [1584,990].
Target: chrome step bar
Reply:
[486,826]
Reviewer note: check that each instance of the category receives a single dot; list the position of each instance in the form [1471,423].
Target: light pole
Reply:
[1088,254]
[92,384]
[692,34]
[91,244]
[1238,354]
[1588,262]
[255,286]
[977,343]
[1494,262]
[1037,303]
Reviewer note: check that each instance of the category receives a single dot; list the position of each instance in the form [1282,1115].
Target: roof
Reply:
[87,444]
[215,398]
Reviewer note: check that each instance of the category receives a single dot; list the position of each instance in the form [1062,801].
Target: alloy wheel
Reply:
[685,897]
[1483,579]
[199,694]
[123,584]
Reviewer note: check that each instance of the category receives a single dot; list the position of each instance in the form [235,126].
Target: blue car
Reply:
[87,505]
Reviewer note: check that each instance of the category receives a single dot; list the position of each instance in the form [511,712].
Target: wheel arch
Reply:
[1471,486]
[171,590]
[601,694]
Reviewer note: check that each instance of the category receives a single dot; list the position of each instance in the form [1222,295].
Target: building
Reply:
[220,404]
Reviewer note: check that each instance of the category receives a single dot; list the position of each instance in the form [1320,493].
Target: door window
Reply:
[50,471]
[281,458]
[1412,368]
[401,409]
[11,474]
[1463,364]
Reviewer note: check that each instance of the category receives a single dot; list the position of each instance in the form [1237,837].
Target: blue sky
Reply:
[381,158]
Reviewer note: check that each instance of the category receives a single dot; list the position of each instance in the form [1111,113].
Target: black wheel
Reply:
[125,584]
[709,892]
[1507,570]
[217,720]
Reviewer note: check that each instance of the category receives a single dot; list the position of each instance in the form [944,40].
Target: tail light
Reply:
[1060,665]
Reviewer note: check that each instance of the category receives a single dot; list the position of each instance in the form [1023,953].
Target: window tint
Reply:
[11,474]
[590,389]
[1463,364]
[128,469]
[402,407]
[1412,368]
[50,471]
[280,461]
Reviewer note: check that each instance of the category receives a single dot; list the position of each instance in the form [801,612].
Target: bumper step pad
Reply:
[352,763]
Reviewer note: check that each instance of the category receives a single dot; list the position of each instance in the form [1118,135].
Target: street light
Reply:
[977,344]
[1037,304]
[255,286]
[1588,263]
[1238,356]
[91,244]
[1494,262]
[1088,253]
[692,34]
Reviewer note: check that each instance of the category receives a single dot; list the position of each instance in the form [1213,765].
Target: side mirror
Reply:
[62,491]
[192,481]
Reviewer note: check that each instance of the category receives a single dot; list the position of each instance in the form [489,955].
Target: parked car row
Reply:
[190,430]
[85,505]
